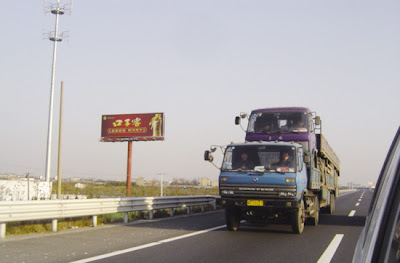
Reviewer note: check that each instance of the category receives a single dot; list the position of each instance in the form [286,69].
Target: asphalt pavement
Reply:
[199,238]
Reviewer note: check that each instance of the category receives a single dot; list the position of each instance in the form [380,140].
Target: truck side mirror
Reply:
[317,120]
[237,120]
[208,156]
[307,157]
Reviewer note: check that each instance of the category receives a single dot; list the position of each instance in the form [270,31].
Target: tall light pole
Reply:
[57,10]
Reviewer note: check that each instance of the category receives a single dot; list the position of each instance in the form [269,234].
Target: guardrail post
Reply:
[171,212]
[151,214]
[188,210]
[54,225]
[94,221]
[125,218]
[2,230]
[215,206]
[202,208]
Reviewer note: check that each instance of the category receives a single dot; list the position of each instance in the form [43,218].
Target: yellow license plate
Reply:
[255,203]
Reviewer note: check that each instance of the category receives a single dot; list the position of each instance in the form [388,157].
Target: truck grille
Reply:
[254,191]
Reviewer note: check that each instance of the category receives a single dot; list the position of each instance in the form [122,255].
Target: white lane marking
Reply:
[119,252]
[331,249]
[357,204]
[352,213]
[343,194]
[359,200]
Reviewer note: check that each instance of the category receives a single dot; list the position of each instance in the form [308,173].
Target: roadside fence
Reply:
[15,211]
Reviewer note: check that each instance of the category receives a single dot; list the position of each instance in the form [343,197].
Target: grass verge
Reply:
[44,226]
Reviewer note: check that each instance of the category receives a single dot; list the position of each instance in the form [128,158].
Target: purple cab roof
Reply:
[282,109]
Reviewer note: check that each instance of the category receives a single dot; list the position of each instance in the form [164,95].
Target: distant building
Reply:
[80,186]
[140,181]
[215,183]
[205,182]
[75,179]
[181,181]
[7,176]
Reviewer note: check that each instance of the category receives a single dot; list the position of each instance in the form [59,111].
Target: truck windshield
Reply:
[272,158]
[278,122]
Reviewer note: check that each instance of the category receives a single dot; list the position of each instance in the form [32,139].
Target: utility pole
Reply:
[59,143]
[57,10]
[161,184]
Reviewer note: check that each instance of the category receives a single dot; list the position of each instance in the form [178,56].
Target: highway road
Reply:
[200,238]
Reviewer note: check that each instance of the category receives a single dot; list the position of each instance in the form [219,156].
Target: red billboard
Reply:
[132,127]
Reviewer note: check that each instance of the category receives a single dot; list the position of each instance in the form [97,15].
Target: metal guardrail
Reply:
[14,211]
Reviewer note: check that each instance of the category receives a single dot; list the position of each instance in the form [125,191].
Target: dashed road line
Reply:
[331,249]
[352,213]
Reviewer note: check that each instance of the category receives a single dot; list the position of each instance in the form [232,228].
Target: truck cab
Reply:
[288,124]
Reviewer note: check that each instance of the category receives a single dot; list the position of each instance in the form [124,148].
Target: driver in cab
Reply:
[244,162]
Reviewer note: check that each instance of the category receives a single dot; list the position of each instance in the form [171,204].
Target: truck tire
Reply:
[298,219]
[314,219]
[232,218]
[332,206]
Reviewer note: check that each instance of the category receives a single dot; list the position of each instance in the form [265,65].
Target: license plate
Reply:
[255,203]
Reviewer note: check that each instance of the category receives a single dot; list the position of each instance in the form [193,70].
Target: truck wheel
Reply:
[315,217]
[332,205]
[232,218]
[298,219]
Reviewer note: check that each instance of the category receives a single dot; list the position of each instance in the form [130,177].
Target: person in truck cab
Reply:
[265,128]
[300,126]
[286,160]
[244,162]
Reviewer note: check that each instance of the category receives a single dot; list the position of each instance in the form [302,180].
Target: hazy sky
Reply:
[201,63]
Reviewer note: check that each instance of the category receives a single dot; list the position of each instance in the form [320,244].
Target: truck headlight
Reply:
[290,180]
[227,192]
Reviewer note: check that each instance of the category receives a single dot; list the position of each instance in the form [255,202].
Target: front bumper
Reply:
[281,203]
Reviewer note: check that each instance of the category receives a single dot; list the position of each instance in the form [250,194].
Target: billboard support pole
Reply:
[129,170]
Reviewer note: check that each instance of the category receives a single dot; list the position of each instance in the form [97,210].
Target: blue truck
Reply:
[284,172]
